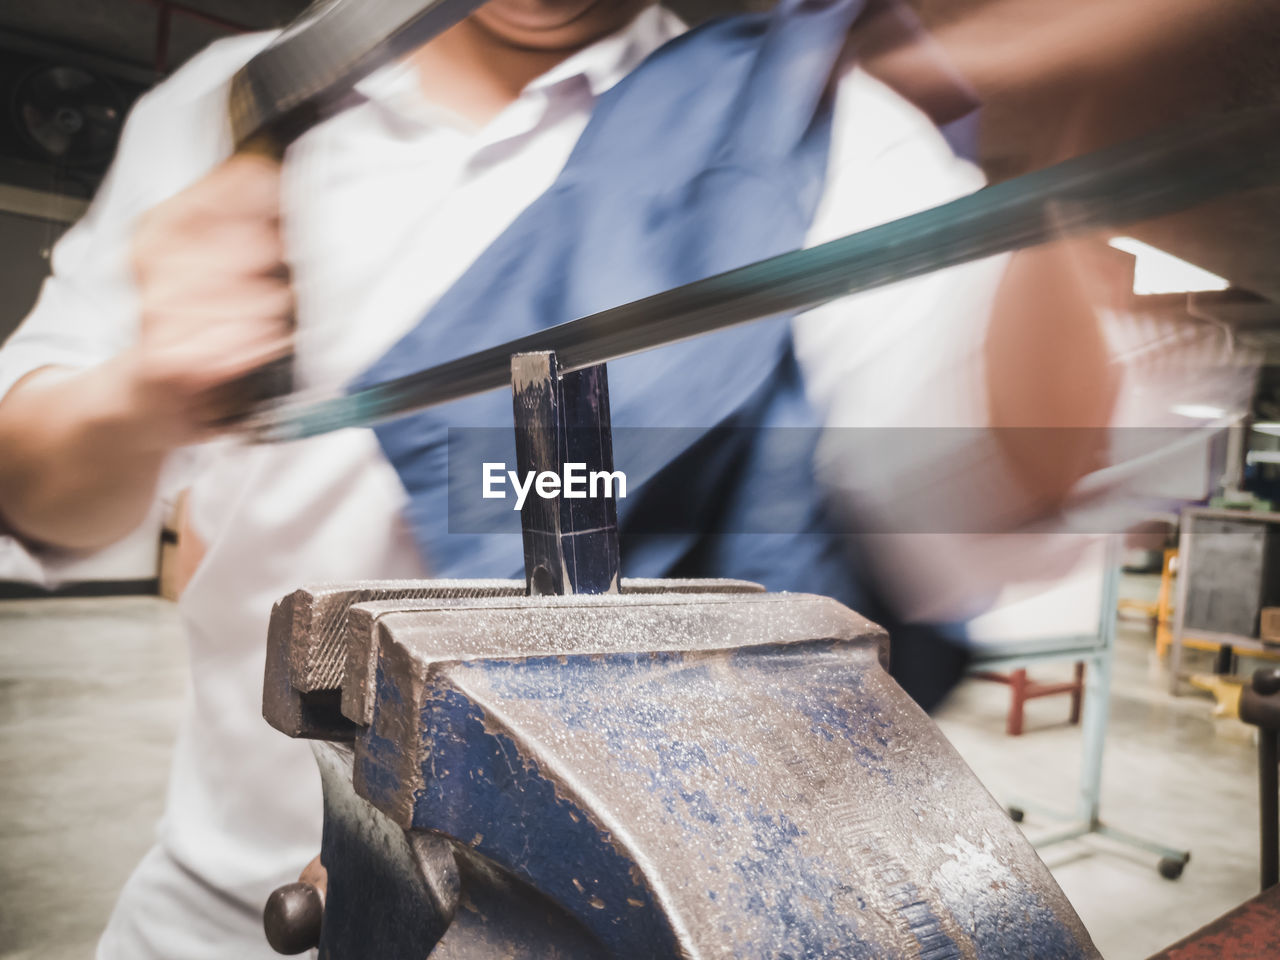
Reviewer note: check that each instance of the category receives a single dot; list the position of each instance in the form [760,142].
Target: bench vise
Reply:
[581,767]
[683,769]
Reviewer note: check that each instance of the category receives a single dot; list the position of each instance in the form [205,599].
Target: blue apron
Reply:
[708,156]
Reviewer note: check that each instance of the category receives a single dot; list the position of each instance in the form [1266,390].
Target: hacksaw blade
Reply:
[1153,176]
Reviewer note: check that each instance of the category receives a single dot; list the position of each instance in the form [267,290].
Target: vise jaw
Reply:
[692,769]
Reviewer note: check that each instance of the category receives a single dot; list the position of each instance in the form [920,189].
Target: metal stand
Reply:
[1097,653]
[1260,706]
[1268,788]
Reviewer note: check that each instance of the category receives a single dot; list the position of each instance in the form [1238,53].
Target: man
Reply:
[189,271]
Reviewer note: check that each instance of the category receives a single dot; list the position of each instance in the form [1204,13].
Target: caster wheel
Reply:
[1170,867]
[1016,814]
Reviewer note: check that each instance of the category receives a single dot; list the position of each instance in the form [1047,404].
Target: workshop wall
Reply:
[24,263]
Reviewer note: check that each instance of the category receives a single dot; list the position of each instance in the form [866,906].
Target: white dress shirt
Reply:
[384,207]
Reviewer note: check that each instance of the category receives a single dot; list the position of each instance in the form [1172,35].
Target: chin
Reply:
[555,24]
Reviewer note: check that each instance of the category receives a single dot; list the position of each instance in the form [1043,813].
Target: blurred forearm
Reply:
[80,456]
[1051,388]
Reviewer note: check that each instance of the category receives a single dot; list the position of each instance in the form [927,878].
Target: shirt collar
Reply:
[611,58]
[602,64]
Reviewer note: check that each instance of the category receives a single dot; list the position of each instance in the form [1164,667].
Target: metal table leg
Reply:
[1269,807]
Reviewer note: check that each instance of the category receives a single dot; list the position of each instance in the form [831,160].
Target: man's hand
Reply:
[80,452]
[214,296]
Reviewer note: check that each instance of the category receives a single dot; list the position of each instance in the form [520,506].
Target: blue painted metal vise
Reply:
[582,767]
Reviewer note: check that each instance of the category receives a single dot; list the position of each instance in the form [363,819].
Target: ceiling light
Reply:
[1160,272]
[1198,411]
[1270,428]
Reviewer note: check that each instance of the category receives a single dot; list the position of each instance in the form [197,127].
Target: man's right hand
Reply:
[81,450]
[214,296]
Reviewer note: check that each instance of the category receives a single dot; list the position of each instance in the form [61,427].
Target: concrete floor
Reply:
[90,696]
[91,692]
[1171,773]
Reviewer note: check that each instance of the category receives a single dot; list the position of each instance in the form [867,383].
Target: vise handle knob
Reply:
[1267,681]
[292,918]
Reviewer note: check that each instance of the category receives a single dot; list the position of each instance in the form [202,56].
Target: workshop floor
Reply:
[1171,773]
[91,693]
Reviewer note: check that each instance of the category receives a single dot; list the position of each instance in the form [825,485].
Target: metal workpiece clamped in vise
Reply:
[585,767]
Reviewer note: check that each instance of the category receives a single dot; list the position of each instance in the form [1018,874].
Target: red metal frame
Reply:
[1024,688]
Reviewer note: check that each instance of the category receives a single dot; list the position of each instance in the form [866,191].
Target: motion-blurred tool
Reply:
[1148,177]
